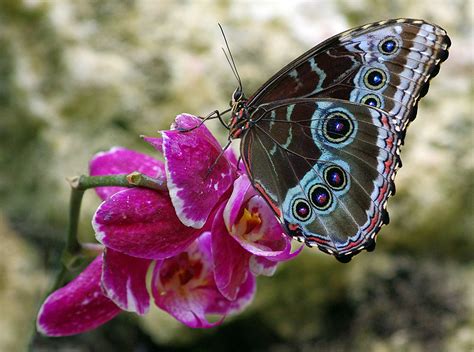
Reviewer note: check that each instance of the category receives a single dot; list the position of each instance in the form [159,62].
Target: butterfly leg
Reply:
[218,157]
[219,116]
[212,115]
[238,162]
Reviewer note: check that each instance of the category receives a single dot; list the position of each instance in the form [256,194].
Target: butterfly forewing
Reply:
[384,64]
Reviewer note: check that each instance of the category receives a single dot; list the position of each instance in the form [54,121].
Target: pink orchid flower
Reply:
[137,227]
[208,236]
[184,287]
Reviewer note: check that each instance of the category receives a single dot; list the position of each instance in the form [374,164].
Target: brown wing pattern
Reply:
[325,131]
[341,68]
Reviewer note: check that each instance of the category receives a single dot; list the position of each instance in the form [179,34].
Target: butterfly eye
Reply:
[337,127]
[320,197]
[236,96]
[371,100]
[388,46]
[375,78]
[335,177]
[301,209]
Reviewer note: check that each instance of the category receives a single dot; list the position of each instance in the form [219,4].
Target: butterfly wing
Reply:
[323,146]
[385,64]
[326,167]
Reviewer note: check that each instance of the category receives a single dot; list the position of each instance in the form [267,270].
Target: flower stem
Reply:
[134,179]
[72,256]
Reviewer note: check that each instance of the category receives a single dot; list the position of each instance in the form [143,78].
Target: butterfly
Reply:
[320,140]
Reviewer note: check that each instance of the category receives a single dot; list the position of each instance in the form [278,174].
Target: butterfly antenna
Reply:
[232,68]
[231,60]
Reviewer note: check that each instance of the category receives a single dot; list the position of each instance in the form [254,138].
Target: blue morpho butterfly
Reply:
[320,140]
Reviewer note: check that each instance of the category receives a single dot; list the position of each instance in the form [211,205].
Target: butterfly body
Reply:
[321,138]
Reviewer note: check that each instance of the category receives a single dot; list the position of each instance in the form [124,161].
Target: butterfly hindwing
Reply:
[385,64]
[326,166]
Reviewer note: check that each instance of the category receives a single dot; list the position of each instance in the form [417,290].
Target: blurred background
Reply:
[77,77]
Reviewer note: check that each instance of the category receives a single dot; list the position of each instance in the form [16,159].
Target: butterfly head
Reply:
[237,96]
[239,114]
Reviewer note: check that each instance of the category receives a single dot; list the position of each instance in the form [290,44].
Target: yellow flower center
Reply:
[246,225]
[181,274]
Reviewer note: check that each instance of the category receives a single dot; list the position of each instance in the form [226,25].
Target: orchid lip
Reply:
[184,286]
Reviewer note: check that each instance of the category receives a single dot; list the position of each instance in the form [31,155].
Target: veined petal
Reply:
[231,261]
[77,307]
[124,281]
[120,160]
[189,156]
[142,223]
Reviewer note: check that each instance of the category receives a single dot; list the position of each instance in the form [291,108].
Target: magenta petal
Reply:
[272,255]
[235,204]
[77,307]
[120,160]
[124,281]
[186,297]
[187,121]
[231,156]
[262,266]
[267,239]
[221,305]
[189,157]
[188,310]
[157,143]
[245,296]
[141,223]
[231,261]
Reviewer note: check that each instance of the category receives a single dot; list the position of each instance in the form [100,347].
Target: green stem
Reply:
[72,256]
[73,247]
[134,179]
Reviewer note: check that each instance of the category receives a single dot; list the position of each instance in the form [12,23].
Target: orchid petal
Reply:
[187,310]
[235,204]
[141,223]
[77,307]
[120,160]
[184,286]
[124,281]
[231,261]
[156,142]
[266,237]
[262,266]
[197,174]
[221,305]
[230,155]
